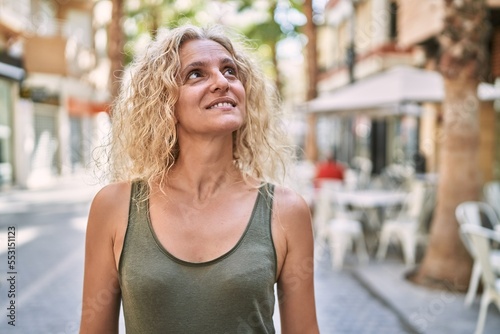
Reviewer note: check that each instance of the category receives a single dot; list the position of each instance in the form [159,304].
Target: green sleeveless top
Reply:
[233,293]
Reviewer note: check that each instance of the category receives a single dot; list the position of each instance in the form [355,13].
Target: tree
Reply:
[462,62]
[311,149]
[280,26]
[145,17]
[281,19]
[148,16]
[115,49]
[266,32]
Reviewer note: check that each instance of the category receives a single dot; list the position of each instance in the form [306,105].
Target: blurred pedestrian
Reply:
[329,169]
[192,236]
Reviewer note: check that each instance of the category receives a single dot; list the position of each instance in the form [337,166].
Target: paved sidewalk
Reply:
[63,191]
[425,310]
[345,305]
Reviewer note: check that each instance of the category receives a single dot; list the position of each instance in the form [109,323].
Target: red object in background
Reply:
[80,107]
[329,170]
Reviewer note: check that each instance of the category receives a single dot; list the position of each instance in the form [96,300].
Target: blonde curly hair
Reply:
[143,142]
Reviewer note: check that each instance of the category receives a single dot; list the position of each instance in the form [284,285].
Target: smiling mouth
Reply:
[222,105]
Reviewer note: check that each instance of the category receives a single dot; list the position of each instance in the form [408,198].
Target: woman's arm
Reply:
[296,278]
[101,289]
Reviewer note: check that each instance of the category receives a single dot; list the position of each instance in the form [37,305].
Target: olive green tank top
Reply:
[233,293]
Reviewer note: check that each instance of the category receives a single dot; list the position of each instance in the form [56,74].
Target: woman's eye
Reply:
[194,75]
[230,71]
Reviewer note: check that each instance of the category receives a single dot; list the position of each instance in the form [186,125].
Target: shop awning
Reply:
[392,91]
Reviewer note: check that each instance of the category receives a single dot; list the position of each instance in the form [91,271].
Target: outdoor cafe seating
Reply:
[405,227]
[336,229]
[369,213]
[471,213]
[344,218]
[480,239]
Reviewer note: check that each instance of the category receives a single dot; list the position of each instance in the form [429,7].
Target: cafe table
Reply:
[372,201]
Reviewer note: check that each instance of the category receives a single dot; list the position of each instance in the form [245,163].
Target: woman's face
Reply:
[211,96]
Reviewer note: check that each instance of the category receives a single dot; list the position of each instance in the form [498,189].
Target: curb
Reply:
[407,325]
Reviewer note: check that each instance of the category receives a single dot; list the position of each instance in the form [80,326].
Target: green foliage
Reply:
[145,17]
[275,21]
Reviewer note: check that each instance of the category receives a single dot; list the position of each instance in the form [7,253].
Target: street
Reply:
[344,305]
[47,275]
[49,255]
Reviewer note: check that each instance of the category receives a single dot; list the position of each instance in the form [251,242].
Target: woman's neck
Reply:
[204,170]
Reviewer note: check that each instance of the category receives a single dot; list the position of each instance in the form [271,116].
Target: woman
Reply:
[191,237]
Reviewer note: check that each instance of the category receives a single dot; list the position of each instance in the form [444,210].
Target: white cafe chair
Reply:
[344,234]
[480,238]
[405,227]
[322,213]
[335,229]
[491,191]
[470,213]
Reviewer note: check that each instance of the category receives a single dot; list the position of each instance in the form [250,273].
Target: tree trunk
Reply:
[463,43]
[446,262]
[116,42]
[311,147]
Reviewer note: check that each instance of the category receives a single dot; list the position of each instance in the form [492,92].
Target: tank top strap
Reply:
[137,215]
[138,200]
[265,204]
[263,207]
[260,230]
[267,192]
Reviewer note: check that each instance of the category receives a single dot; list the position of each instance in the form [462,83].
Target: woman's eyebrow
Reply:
[227,60]
[194,64]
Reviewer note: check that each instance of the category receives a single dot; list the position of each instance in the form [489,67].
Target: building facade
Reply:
[363,42]
[420,24]
[48,123]
[357,41]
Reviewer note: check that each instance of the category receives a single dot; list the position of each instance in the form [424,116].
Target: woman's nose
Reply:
[219,82]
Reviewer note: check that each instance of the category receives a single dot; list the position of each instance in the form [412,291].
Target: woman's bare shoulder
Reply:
[292,229]
[112,193]
[111,200]
[290,208]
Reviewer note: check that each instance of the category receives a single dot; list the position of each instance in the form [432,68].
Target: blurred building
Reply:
[378,94]
[419,25]
[357,41]
[52,87]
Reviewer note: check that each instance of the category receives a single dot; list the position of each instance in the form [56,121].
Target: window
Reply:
[393,24]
